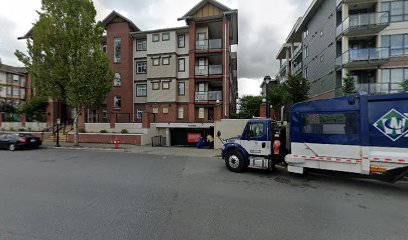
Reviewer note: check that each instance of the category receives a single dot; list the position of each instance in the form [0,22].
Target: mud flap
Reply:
[393,175]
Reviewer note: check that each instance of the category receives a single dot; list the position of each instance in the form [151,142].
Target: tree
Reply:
[297,88]
[249,106]
[404,85]
[348,85]
[66,60]
[35,109]
[278,96]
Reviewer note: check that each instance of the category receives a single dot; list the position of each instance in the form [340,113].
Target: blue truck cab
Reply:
[253,148]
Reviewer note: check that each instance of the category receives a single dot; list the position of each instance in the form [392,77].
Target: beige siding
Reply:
[162,71]
[166,95]
[208,10]
[162,46]
[186,48]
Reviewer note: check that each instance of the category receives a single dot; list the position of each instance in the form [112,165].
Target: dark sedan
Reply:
[15,141]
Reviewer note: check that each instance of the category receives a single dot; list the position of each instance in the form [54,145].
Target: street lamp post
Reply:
[267,79]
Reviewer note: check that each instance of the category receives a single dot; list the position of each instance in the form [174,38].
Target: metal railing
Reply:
[367,55]
[283,66]
[208,70]
[208,44]
[363,22]
[208,96]
[297,51]
[297,69]
[379,88]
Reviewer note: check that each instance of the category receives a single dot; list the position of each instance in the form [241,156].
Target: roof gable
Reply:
[206,8]
[115,17]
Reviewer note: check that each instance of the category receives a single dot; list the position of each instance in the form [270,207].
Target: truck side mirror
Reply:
[219,133]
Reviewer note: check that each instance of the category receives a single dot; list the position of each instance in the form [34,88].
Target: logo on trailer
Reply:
[394,125]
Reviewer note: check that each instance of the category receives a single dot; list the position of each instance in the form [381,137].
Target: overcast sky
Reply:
[263,26]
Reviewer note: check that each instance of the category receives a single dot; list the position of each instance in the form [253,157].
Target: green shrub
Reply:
[21,130]
[81,130]
[103,131]
[124,131]
[29,129]
[12,129]
[3,129]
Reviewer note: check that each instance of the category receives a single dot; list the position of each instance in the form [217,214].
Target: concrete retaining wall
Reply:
[229,128]
[107,138]
[131,127]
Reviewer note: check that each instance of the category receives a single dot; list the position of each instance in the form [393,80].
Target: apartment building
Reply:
[13,85]
[365,38]
[182,79]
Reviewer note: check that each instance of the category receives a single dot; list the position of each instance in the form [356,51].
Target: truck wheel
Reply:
[235,161]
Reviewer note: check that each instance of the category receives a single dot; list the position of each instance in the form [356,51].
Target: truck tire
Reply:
[235,161]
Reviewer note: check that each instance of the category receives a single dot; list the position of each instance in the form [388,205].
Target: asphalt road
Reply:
[62,194]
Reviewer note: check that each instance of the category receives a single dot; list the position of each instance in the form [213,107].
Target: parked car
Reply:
[15,141]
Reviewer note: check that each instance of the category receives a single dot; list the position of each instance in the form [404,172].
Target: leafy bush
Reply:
[103,131]
[81,130]
[12,129]
[124,131]
[21,130]
[29,129]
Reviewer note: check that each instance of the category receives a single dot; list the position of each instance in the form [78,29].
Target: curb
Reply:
[91,148]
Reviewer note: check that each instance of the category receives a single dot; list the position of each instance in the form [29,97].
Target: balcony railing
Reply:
[297,52]
[283,66]
[297,69]
[208,70]
[209,44]
[365,57]
[366,23]
[379,88]
[208,96]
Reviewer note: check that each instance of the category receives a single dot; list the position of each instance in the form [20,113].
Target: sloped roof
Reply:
[114,15]
[11,69]
[201,4]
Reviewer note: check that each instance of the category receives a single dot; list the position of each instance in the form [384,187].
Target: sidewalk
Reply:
[170,151]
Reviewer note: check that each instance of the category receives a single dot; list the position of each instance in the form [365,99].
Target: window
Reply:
[165,110]
[141,90]
[155,85]
[165,85]
[16,92]
[156,37]
[16,78]
[155,110]
[306,74]
[22,93]
[141,45]
[201,87]
[201,43]
[23,81]
[104,48]
[166,60]
[180,113]
[117,102]
[181,64]
[181,89]
[201,63]
[201,113]
[141,67]
[397,43]
[8,90]
[156,61]
[255,130]
[165,36]
[181,41]
[329,123]
[306,51]
[391,80]
[104,115]
[117,50]
[139,113]
[118,80]
[398,10]
[306,33]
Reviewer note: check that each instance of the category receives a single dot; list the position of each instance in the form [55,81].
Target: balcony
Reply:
[297,69]
[297,53]
[210,96]
[379,88]
[283,67]
[338,2]
[208,44]
[366,58]
[367,23]
[208,70]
